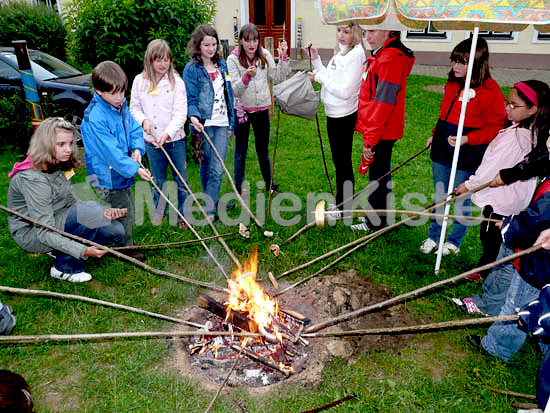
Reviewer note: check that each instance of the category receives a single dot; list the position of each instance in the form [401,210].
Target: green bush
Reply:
[120,30]
[40,25]
[15,124]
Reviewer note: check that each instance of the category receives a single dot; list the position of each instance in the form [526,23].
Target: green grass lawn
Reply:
[437,371]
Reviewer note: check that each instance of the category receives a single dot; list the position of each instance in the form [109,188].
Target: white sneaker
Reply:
[428,246]
[449,247]
[79,277]
[363,226]
[333,212]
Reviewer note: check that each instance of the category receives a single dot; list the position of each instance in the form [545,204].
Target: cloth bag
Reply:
[297,97]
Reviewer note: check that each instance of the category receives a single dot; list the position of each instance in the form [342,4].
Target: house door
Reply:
[272,17]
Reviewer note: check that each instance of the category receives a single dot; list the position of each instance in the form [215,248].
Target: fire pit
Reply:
[281,354]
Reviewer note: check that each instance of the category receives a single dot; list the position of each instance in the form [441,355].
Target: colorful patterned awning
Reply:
[499,15]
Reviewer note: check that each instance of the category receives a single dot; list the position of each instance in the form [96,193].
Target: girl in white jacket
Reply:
[250,66]
[159,105]
[341,81]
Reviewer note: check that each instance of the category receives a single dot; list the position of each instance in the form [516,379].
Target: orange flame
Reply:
[248,296]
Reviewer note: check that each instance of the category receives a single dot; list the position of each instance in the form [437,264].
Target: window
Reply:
[540,37]
[497,37]
[430,33]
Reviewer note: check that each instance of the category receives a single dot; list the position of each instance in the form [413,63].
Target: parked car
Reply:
[69,89]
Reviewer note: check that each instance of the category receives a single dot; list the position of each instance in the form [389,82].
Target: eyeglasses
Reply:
[513,105]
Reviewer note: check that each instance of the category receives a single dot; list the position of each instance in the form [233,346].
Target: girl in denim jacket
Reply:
[209,106]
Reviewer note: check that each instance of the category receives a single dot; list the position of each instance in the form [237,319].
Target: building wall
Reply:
[522,52]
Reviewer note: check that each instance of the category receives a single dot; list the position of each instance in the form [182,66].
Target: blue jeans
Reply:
[211,167]
[159,162]
[441,175]
[505,338]
[7,321]
[95,228]
[496,285]
[260,125]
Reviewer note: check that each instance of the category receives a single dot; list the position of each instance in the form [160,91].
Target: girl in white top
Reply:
[341,81]
[159,104]
[250,67]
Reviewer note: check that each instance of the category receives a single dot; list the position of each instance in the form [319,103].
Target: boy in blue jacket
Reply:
[113,142]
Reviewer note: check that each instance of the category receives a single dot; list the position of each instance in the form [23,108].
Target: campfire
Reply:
[275,354]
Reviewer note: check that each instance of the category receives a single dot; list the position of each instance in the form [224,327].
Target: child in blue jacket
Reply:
[113,142]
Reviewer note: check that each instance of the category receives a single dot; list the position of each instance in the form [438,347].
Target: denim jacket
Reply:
[110,136]
[200,92]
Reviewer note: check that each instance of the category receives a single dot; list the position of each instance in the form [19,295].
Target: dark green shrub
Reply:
[38,24]
[120,30]
[15,124]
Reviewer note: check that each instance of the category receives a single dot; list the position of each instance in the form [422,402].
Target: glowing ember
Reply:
[247,296]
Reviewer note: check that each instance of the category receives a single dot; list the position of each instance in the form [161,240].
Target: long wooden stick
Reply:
[239,197]
[311,224]
[414,329]
[273,160]
[116,253]
[172,244]
[331,404]
[512,393]
[30,339]
[196,201]
[378,233]
[237,361]
[323,154]
[364,310]
[195,233]
[46,293]
[416,213]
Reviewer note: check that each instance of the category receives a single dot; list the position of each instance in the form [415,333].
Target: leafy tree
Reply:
[120,30]
[38,24]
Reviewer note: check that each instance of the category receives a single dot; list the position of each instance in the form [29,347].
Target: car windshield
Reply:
[45,66]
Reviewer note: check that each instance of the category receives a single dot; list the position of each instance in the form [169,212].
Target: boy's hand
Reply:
[461,189]
[196,124]
[544,237]
[429,141]
[115,213]
[147,126]
[452,140]
[136,155]
[145,174]
[497,181]
[229,133]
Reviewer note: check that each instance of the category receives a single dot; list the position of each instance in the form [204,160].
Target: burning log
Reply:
[259,359]
[237,319]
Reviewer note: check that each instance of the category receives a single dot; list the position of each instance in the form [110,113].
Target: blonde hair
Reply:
[42,147]
[158,49]
[356,37]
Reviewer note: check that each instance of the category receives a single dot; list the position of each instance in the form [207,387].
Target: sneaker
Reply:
[362,226]
[428,246]
[275,190]
[333,212]
[79,277]
[475,277]
[468,306]
[449,247]
[228,205]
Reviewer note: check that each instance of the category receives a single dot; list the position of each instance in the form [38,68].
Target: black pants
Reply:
[340,136]
[490,237]
[380,166]
[260,124]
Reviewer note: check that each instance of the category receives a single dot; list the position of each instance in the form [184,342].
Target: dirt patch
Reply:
[321,299]
[435,88]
